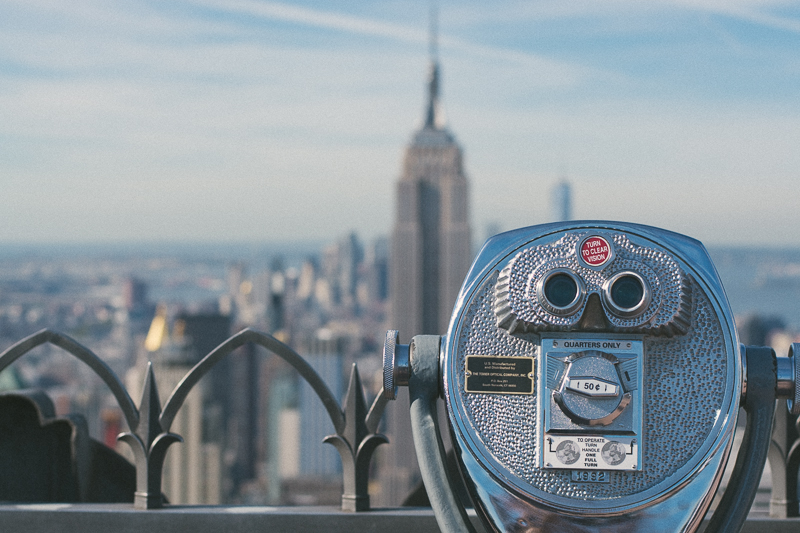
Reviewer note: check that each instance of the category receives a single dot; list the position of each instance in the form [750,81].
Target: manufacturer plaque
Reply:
[490,374]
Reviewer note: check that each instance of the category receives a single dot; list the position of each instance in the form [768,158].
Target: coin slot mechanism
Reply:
[589,393]
[594,387]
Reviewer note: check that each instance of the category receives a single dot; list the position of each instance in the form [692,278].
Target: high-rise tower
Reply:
[561,202]
[431,238]
[430,255]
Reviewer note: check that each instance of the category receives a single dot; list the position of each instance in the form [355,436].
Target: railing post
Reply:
[149,437]
[784,460]
[356,444]
[149,443]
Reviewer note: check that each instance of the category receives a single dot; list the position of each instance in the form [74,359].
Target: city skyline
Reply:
[212,121]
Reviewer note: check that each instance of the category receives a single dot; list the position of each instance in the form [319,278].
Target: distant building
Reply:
[326,358]
[373,284]
[194,470]
[339,275]
[430,255]
[561,202]
[302,469]
[134,293]
[136,309]
[431,250]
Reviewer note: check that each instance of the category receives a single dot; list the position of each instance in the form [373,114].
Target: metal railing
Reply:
[149,437]
[355,438]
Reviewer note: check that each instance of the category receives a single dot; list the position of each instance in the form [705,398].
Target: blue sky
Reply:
[251,120]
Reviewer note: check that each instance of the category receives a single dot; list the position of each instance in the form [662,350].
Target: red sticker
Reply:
[595,251]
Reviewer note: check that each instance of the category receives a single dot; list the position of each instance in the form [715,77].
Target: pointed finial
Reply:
[149,409]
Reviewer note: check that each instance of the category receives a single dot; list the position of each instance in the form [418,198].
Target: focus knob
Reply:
[396,368]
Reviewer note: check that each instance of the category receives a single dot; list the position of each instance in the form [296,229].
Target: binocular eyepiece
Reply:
[592,376]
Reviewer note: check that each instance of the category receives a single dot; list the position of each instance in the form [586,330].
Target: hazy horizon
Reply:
[303,243]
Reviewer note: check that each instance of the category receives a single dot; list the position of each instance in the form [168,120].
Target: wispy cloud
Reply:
[525,11]
[215,117]
[753,12]
[556,72]
[317,18]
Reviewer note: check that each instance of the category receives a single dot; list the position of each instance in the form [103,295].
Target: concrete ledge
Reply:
[123,518]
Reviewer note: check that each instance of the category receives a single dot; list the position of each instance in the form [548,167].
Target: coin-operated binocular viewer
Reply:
[592,377]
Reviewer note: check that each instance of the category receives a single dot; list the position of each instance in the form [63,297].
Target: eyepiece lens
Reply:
[627,292]
[560,290]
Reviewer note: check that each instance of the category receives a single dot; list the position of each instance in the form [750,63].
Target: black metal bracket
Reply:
[759,405]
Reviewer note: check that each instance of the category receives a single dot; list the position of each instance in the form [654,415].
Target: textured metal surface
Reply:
[691,380]
[519,310]
[684,390]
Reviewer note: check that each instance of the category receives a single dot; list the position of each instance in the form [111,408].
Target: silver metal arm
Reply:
[421,374]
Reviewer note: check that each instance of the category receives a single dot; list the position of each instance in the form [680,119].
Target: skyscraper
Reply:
[430,255]
[431,239]
[561,202]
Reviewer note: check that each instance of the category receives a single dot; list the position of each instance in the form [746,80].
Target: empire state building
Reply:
[431,238]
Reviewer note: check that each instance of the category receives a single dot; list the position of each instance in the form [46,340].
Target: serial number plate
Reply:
[590,476]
